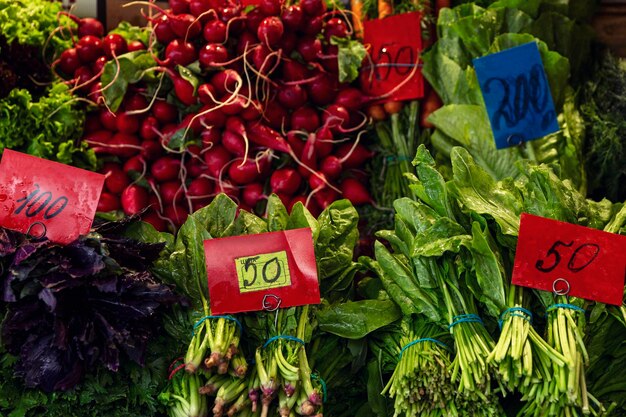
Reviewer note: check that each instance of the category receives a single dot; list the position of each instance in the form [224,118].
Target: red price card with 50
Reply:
[42,197]
[569,259]
[264,271]
[395,46]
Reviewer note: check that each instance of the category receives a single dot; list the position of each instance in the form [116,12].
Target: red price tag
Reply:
[40,197]
[264,271]
[396,44]
[569,259]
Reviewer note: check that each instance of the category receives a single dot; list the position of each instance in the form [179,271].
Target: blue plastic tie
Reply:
[398,158]
[322,383]
[203,319]
[566,306]
[465,318]
[514,312]
[282,336]
[422,340]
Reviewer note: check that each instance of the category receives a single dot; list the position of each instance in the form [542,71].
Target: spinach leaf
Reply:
[356,319]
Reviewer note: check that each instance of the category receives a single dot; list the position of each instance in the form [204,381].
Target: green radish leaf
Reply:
[350,56]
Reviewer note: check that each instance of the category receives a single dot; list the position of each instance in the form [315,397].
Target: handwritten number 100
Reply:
[36,202]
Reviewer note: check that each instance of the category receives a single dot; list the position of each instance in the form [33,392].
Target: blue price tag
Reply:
[517,95]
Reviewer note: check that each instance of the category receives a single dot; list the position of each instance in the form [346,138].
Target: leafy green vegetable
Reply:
[354,320]
[118,75]
[350,56]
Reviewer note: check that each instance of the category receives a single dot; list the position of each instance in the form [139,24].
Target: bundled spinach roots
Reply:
[525,361]
[420,384]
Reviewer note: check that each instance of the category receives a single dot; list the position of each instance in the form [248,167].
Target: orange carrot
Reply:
[357,17]
[385,8]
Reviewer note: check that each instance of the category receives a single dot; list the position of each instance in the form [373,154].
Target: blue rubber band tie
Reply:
[514,312]
[422,340]
[322,383]
[465,318]
[203,319]
[566,306]
[398,158]
[282,336]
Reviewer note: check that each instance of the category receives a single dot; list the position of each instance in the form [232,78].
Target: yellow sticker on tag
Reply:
[263,271]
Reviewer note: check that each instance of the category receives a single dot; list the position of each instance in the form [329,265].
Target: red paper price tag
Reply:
[264,271]
[396,44]
[38,196]
[569,259]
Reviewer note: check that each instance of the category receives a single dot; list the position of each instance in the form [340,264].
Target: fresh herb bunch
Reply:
[74,308]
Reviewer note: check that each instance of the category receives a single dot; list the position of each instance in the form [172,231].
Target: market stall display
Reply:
[310,208]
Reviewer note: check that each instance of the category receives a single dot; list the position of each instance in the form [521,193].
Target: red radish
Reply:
[351,98]
[313,7]
[89,48]
[69,61]
[179,52]
[329,59]
[286,180]
[191,121]
[253,19]
[310,48]
[98,64]
[228,188]
[313,26]
[108,202]
[135,102]
[211,136]
[206,93]
[264,136]
[293,70]
[177,214]
[231,13]
[83,76]
[305,118]
[124,145]
[136,46]
[211,116]
[311,206]
[252,112]
[114,45]
[86,25]
[246,41]
[323,142]
[95,93]
[183,89]
[292,96]
[200,189]
[335,27]
[216,159]
[262,60]
[226,81]
[430,105]
[270,7]
[158,223]
[150,149]
[108,119]
[214,31]
[179,6]
[164,111]
[165,169]
[355,191]
[136,163]
[331,167]
[134,199]
[325,197]
[270,31]
[247,172]
[335,116]
[171,192]
[292,17]
[162,30]
[115,178]
[213,55]
[235,106]
[153,200]
[323,89]
[276,115]
[98,138]
[149,128]
[296,143]
[198,7]
[185,26]
[195,168]
[252,194]
[127,123]
[92,124]
[234,143]
[308,158]
[353,156]
[318,181]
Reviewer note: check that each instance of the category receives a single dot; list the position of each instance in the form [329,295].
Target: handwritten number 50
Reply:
[35,203]
[555,256]
[265,274]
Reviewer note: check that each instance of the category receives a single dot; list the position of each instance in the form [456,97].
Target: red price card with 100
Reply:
[263,271]
[569,259]
[42,197]
[395,46]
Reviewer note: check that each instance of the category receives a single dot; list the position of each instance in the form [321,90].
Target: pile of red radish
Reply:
[267,114]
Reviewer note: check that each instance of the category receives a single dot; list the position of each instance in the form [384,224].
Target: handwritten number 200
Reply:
[527,94]
[571,265]
[251,263]
[33,199]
